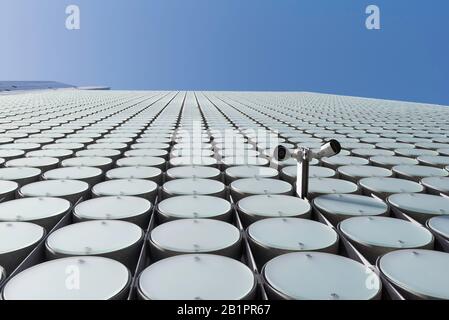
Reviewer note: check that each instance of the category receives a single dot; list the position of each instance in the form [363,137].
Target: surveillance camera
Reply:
[281,153]
[330,149]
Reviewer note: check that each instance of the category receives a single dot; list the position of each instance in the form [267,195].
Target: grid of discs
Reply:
[175,195]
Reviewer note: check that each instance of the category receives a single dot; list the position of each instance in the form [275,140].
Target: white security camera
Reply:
[303,157]
[330,149]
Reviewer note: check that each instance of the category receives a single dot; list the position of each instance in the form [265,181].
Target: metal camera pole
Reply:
[302,172]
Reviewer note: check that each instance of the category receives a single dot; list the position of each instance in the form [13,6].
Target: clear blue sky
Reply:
[287,45]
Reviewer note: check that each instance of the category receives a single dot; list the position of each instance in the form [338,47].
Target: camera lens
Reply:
[335,145]
[282,152]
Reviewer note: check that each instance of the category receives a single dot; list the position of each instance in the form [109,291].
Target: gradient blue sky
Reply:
[285,45]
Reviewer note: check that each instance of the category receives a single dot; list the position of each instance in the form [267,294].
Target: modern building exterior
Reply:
[176,195]
[7,86]
[24,86]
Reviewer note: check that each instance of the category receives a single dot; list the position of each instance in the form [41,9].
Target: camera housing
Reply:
[329,149]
